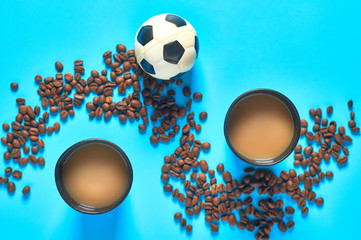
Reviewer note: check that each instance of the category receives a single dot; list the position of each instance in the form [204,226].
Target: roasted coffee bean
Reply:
[203,115]
[183,222]
[289,210]
[308,150]
[329,110]
[342,160]
[8,170]
[23,161]
[197,95]
[11,187]
[17,174]
[168,188]
[26,190]
[14,86]
[206,145]
[59,66]
[308,183]
[33,159]
[214,228]
[290,224]
[282,226]
[304,210]
[186,91]
[227,177]
[298,149]
[41,161]
[350,103]
[232,220]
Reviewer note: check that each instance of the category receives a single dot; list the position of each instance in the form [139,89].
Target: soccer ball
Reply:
[166,46]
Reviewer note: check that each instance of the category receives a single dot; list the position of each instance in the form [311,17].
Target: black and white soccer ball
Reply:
[166,46]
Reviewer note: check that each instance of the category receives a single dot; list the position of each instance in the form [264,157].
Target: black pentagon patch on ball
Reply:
[196,45]
[176,20]
[173,52]
[147,66]
[145,35]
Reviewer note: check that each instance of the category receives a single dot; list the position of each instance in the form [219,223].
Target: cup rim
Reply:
[62,190]
[296,120]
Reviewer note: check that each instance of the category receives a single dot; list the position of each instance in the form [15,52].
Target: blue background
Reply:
[308,50]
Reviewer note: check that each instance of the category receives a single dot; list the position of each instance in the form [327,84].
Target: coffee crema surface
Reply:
[261,127]
[95,175]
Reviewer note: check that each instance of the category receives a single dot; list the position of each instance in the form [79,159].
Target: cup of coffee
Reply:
[93,176]
[262,127]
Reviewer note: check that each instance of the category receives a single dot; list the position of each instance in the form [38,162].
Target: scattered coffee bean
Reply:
[11,187]
[14,86]
[26,190]
[203,115]
[177,215]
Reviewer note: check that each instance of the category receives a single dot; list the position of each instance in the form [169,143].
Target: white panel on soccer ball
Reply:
[154,20]
[186,39]
[188,59]
[166,70]
[154,54]
[164,31]
[139,50]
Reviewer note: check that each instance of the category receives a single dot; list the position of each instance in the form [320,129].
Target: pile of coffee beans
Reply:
[221,201]
[64,93]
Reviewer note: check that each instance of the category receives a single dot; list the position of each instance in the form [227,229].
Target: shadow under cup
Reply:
[296,127]
[59,170]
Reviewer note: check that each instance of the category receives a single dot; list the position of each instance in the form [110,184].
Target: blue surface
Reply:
[308,50]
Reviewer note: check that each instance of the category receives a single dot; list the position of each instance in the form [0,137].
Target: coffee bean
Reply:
[163,137]
[23,161]
[350,103]
[186,91]
[214,228]
[312,112]
[308,183]
[249,170]
[183,222]
[308,150]
[220,167]
[41,161]
[290,224]
[14,86]
[59,66]
[282,226]
[168,188]
[304,210]
[8,170]
[17,174]
[319,201]
[38,78]
[56,127]
[298,149]
[26,190]
[11,187]
[232,220]
[227,177]
[206,145]
[304,123]
[203,115]
[329,110]
[189,228]
[355,130]
[342,160]
[6,127]
[203,165]
[197,95]
[289,210]
[154,139]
